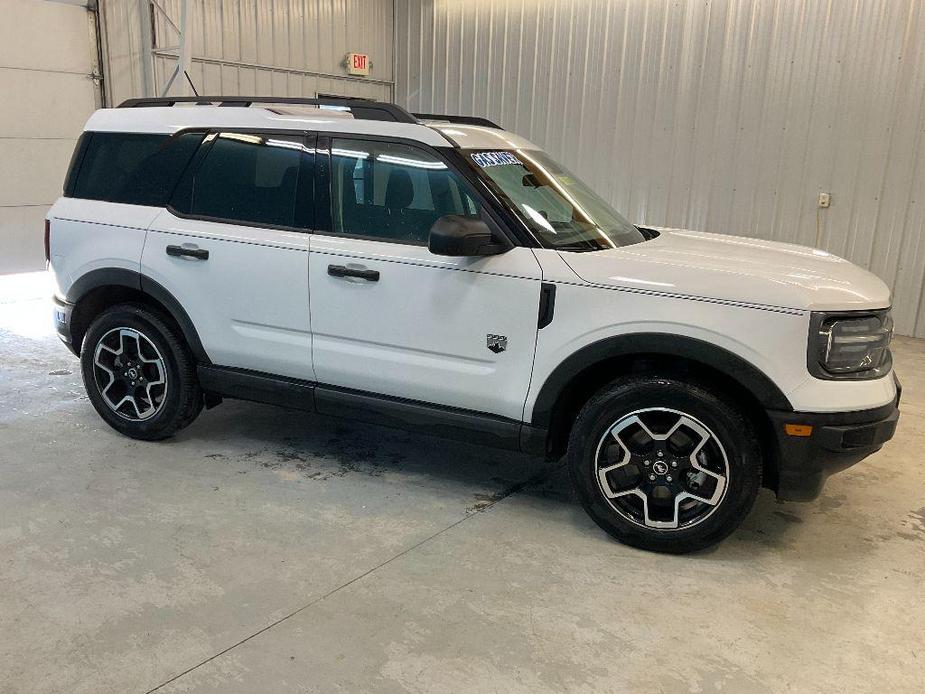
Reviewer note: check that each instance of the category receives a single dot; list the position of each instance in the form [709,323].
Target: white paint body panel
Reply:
[89,235]
[772,340]
[768,273]
[480,137]
[170,119]
[420,331]
[248,301]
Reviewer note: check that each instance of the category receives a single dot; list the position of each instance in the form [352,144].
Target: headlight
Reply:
[850,345]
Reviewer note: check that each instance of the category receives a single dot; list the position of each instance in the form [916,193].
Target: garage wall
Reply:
[728,116]
[252,47]
[47,59]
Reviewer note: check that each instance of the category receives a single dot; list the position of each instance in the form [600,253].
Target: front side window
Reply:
[563,212]
[248,178]
[392,191]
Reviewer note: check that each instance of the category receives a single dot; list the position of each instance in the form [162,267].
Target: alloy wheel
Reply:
[662,469]
[130,373]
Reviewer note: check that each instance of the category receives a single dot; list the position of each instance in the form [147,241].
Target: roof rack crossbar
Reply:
[462,120]
[364,109]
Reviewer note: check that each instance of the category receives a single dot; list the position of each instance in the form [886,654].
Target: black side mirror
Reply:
[464,236]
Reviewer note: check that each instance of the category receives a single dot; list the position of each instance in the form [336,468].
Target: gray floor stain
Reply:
[483,501]
[917,520]
[829,502]
[789,517]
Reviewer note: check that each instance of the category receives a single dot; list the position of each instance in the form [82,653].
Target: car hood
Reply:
[732,268]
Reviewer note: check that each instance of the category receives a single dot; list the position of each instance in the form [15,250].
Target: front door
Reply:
[391,318]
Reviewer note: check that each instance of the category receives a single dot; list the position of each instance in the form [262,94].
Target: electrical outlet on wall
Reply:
[825,199]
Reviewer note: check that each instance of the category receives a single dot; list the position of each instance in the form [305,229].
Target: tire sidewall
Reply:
[155,330]
[733,431]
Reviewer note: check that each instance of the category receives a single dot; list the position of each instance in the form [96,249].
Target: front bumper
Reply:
[838,441]
[62,316]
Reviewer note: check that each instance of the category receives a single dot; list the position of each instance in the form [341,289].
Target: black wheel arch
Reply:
[583,373]
[99,289]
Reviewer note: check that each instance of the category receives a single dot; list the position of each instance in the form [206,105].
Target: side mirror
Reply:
[464,236]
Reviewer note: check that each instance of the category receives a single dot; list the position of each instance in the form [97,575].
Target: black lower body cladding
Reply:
[838,441]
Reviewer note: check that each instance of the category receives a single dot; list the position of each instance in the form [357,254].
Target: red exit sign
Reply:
[357,64]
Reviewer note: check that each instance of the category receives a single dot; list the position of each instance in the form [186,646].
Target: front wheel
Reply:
[664,464]
[139,373]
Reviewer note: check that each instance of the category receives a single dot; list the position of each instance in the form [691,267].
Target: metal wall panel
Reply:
[47,68]
[723,115]
[255,47]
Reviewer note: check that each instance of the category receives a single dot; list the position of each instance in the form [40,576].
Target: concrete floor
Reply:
[263,550]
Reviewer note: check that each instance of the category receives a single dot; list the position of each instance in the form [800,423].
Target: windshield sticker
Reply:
[486,159]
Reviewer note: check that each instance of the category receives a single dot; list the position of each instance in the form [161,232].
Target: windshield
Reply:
[561,210]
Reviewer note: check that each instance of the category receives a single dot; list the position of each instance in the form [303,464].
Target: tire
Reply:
[131,340]
[699,483]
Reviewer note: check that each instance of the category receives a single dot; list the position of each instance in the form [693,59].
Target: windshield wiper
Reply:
[577,247]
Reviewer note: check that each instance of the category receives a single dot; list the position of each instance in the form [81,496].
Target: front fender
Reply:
[650,343]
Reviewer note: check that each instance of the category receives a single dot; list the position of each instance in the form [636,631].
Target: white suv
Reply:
[436,272]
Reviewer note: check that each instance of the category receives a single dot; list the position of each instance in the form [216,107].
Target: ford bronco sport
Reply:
[436,272]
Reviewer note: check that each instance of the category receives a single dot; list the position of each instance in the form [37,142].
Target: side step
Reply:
[412,415]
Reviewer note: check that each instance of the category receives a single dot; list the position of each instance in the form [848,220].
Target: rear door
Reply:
[391,318]
[232,247]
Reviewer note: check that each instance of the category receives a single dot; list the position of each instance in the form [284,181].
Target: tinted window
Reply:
[131,168]
[392,191]
[155,178]
[248,178]
[563,212]
[77,157]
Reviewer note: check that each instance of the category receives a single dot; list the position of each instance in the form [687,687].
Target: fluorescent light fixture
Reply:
[415,163]
[537,217]
[352,153]
[242,137]
[289,145]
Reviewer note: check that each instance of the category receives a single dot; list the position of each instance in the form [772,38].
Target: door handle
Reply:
[184,251]
[344,271]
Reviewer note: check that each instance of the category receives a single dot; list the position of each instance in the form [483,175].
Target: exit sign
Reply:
[358,64]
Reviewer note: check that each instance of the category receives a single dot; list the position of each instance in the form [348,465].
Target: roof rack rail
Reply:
[364,109]
[462,120]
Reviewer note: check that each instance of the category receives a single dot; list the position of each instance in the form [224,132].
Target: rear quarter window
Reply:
[132,168]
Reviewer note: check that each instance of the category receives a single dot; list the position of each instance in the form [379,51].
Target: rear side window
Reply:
[132,168]
[248,178]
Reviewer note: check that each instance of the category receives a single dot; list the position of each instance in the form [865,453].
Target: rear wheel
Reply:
[139,374]
[664,464]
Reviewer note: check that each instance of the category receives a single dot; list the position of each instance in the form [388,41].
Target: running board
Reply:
[257,386]
[412,415]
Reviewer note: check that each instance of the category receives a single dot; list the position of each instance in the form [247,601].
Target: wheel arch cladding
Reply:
[99,289]
[589,369]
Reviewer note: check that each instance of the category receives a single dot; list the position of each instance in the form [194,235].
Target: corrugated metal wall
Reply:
[254,47]
[727,116]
